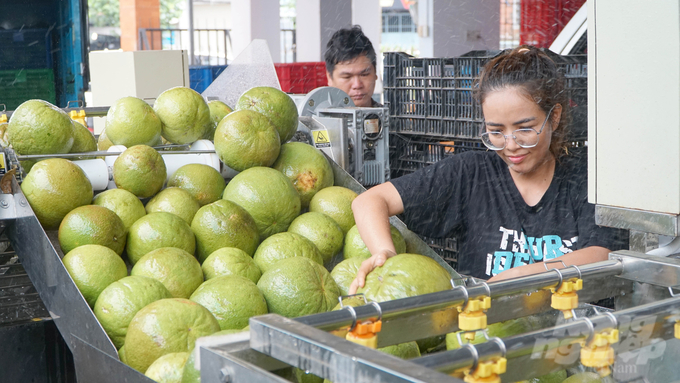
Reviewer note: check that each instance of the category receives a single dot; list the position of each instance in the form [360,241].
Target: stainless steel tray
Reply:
[95,357]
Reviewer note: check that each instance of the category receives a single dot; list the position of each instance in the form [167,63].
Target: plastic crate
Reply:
[25,49]
[17,86]
[543,20]
[434,97]
[300,78]
[409,154]
[201,76]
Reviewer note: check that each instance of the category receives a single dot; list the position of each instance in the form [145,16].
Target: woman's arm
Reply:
[372,211]
[579,257]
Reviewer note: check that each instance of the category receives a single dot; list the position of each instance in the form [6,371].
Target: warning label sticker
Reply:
[3,164]
[321,139]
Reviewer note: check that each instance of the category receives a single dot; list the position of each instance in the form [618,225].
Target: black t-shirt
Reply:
[472,196]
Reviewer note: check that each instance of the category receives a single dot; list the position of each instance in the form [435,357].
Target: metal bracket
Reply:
[659,271]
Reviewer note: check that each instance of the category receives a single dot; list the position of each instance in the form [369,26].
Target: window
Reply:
[397,22]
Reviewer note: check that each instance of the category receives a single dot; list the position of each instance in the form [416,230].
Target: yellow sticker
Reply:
[321,139]
[2,163]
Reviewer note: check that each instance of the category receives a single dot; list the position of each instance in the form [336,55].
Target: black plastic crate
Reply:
[408,154]
[25,49]
[433,96]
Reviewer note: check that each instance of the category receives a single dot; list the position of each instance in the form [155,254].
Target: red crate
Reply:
[543,20]
[301,77]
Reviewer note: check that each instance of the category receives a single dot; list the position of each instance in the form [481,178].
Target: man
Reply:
[351,66]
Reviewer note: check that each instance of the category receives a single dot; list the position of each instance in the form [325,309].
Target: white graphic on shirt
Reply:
[516,249]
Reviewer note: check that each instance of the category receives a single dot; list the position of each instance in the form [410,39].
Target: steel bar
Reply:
[219,366]
[446,299]
[659,271]
[568,333]
[331,357]
[103,154]
[90,111]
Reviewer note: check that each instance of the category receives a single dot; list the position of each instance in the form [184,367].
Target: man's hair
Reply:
[346,45]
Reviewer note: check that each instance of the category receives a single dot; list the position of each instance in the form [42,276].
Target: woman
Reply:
[512,207]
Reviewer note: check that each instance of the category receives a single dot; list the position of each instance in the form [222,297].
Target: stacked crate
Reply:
[433,114]
[26,67]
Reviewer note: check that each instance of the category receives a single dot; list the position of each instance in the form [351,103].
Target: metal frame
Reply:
[639,220]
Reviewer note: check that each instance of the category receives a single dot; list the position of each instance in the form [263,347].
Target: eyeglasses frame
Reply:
[505,136]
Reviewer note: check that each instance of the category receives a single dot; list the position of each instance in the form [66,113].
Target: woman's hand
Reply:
[376,260]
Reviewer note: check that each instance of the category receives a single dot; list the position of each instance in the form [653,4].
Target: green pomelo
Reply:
[168,368]
[91,224]
[354,301]
[218,110]
[125,204]
[274,104]
[306,167]
[54,187]
[298,286]
[553,377]
[176,269]
[306,377]
[157,230]
[140,170]
[93,268]
[121,354]
[232,299]
[230,261]
[322,230]
[176,201]
[203,182]
[335,202]
[584,377]
[355,246]
[245,139]
[282,246]
[120,301]
[190,373]
[83,139]
[38,127]
[408,350]
[4,137]
[103,142]
[344,273]
[405,275]
[501,329]
[269,197]
[27,165]
[166,326]
[184,113]
[131,121]
[431,344]
[224,224]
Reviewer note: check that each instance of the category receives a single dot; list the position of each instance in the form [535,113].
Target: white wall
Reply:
[256,19]
[316,22]
[368,15]
[455,27]
[212,15]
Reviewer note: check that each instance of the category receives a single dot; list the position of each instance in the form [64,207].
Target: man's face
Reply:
[356,77]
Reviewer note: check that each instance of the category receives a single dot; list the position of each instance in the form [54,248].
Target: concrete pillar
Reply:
[368,15]
[316,21]
[448,28]
[256,19]
[135,14]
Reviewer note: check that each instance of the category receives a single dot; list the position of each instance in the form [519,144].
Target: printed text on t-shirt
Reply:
[516,249]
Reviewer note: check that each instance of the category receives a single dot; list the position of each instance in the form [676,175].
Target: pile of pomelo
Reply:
[164,263]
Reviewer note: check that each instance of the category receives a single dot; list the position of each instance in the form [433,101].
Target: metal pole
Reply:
[444,299]
[522,344]
[190,5]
